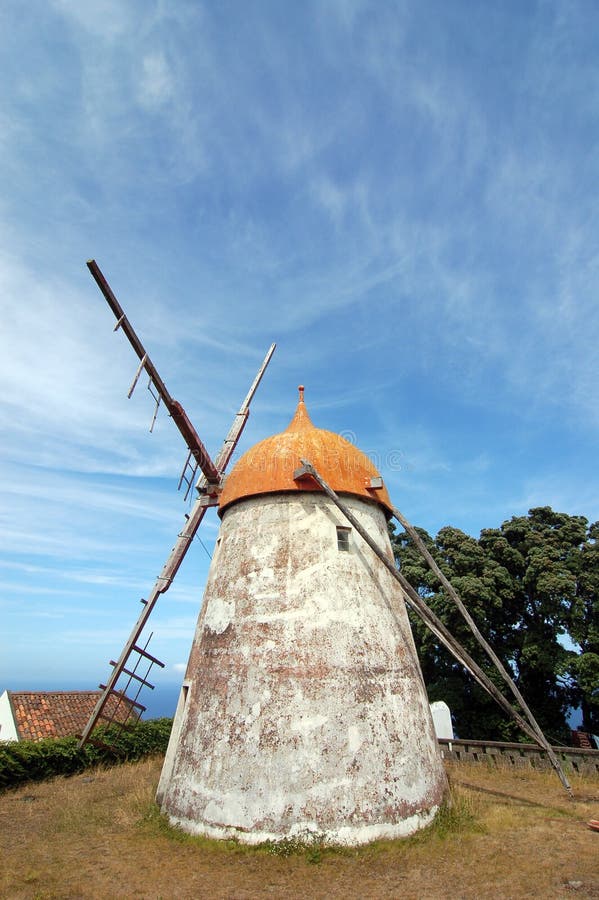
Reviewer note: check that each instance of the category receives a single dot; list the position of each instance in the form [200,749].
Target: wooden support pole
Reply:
[435,624]
[425,612]
[455,597]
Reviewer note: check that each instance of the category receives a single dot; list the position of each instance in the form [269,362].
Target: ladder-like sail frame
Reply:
[208,486]
[178,414]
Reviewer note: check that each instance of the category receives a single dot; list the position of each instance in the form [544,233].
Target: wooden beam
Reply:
[436,626]
[457,600]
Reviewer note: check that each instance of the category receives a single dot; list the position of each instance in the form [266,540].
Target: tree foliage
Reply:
[532,587]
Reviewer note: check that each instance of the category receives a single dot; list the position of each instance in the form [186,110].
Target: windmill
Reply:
[303,709]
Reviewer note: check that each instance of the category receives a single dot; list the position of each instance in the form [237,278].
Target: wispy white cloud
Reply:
[156,85]
[578,496]
[403,197]
[103,19]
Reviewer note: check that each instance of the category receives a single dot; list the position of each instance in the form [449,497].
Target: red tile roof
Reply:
[43,714]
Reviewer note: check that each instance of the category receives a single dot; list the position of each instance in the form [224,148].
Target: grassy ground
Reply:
[508,835]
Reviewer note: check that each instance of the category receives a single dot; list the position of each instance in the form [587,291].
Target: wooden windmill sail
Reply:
[130,672]
[246,757]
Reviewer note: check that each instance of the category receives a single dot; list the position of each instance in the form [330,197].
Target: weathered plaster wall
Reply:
[303,707]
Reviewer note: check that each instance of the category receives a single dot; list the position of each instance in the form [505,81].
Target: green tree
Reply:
[583,630]
[531,586]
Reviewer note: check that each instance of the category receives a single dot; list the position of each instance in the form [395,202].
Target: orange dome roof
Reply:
[268,467]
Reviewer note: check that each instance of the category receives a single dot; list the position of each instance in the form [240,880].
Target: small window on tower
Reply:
[343,538]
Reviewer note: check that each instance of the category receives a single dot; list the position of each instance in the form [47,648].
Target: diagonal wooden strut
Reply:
[178,414]
[184,539]
[418,604]
[438,628]
[457,600]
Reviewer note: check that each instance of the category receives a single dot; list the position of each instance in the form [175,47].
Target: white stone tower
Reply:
[303,708]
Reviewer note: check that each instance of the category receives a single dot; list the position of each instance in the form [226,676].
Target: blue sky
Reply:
[402,195]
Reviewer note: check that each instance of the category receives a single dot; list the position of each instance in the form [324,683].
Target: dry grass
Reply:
[507,835]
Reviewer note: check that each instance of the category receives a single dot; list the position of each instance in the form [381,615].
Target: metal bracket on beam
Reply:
[207,500]
[305,471]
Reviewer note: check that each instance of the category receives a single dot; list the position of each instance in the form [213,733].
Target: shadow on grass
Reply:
[512,799]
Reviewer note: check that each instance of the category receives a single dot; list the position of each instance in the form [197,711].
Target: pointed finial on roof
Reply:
[301,419]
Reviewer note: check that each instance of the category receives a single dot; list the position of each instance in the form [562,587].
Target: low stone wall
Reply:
[573,759]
